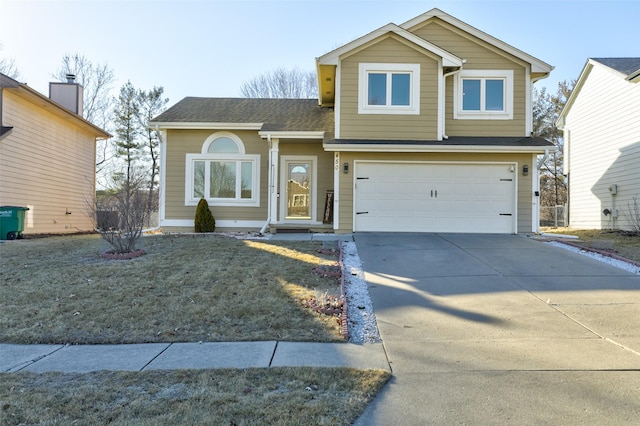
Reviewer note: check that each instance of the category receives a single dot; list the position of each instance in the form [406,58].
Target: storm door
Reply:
[297,194]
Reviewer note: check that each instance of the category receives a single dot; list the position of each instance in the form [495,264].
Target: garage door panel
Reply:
[430,197]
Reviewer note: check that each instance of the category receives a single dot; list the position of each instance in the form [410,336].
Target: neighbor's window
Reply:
[222,173]
[484,95]
[389,89]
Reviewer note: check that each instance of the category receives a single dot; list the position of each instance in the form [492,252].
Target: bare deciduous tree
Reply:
[282,83]
[8,67]
[97,81]
[124,212]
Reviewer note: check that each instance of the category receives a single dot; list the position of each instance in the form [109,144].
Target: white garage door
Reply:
[434,197]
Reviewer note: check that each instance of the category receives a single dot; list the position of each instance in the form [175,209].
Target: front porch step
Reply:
[301,229]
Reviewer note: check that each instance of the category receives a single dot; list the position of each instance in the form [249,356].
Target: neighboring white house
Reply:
[601,124]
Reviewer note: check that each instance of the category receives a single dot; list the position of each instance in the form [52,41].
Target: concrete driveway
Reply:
[501,329]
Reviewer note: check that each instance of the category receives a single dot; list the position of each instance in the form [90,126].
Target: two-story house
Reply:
[47,157]
[419,127]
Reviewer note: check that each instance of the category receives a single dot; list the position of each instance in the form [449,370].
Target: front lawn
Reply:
[186,288]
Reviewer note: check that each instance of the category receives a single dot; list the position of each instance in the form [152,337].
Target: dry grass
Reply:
[278,396]
[186,288]
[624,244]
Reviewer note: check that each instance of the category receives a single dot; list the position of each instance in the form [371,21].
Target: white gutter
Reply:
[444,98]
[293,135]
[207,125]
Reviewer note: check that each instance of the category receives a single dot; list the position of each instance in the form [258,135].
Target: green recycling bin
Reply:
[11,222]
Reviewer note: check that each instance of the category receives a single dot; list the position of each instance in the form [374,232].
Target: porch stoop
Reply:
[300,229]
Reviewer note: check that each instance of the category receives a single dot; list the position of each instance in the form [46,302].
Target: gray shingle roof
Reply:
[275,114]
[626,66]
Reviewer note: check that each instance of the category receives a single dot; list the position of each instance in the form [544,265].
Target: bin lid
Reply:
[13,208]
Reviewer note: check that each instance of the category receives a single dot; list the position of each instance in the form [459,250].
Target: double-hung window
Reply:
[481,94]
[222,173]
[389,89]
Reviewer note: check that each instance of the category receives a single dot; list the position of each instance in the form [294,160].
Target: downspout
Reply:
[266,224]
[444,99]
[163,178]
[544,158]
[539,167]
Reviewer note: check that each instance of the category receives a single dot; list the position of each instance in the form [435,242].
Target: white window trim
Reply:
[214,136]
[363,85]
[204,155]
[507,114]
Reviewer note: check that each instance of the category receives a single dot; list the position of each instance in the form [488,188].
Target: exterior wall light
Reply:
[345,168]
[525,170]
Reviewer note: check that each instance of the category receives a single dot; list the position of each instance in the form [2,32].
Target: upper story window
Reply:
[222,173]
[484,95]
[389,89]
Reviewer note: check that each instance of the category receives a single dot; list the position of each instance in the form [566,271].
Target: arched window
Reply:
[223,143]
[223,173]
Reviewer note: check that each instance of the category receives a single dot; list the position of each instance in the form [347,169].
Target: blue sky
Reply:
[210,47]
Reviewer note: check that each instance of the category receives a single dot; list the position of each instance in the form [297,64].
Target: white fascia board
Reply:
[292,135]
[206,125]
[439,148]
[634,77]
[333,57]
[537,66]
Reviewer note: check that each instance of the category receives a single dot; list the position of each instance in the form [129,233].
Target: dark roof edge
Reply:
[454,141]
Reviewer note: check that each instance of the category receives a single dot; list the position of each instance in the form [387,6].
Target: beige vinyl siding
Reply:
[525,194]
[47,164]
[603,149]
[325,167]
[479,56]
[389,126]
[182,142]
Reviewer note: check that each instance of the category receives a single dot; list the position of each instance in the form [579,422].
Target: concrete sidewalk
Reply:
[155,356]
[168,356]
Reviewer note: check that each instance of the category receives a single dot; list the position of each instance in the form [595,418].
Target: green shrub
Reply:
[204,221]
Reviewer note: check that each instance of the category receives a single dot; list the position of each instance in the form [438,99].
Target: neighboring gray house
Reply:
[601,124]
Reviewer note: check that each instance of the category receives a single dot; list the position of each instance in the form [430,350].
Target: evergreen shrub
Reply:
[204,220]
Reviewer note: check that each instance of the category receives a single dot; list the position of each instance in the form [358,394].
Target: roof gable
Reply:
[332,58]
[537,66]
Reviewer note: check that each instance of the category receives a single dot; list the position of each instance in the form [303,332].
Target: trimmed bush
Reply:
[204,221]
